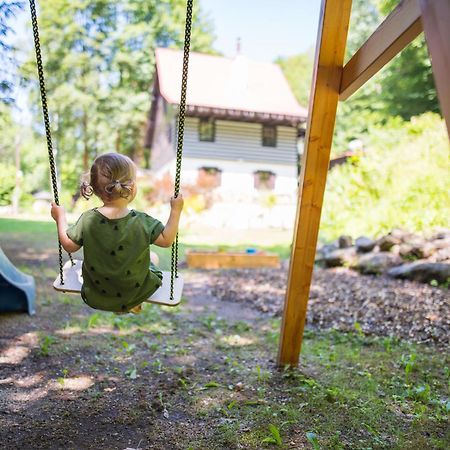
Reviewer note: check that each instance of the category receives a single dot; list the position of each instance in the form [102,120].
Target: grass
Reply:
[170,367]
[353,391]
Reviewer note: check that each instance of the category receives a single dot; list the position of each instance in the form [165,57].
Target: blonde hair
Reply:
[112,176]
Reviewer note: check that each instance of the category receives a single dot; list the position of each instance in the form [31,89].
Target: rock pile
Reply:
[399,254]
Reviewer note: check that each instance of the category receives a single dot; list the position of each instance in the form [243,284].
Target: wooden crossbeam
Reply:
[399,28]
[332,38]
[436,25]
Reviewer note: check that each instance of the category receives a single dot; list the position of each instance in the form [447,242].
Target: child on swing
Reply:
[117,273]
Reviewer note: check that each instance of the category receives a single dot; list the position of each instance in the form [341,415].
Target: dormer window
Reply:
[269,136]
[206,129]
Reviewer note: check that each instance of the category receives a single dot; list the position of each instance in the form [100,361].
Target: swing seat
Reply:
[73,280]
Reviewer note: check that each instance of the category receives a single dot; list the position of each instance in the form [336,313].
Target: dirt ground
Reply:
[199,376]
[341,298]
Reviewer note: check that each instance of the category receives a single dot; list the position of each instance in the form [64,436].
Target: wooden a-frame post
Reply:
[330,81]
[331,43]
[435,15]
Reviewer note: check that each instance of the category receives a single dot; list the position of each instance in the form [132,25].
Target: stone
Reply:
[377,263]
[441,233]
[402,235]
[345,241]
[341,257]
[422,271]
[439,244]
[387,242]
[395,249]
[443,254]
[364,244]
[416,249]
[323,251]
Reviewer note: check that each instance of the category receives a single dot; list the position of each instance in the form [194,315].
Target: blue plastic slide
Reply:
[17,290]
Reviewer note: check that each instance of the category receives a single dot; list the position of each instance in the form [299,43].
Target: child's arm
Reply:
[59,214]
[167,236]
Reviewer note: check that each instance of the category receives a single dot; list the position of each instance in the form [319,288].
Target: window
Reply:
[269,136]
[209,177]
[206,129]
[264,180]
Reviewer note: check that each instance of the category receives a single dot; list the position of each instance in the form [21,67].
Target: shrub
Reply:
[401,180]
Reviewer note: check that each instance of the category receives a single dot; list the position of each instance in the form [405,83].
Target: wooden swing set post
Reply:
[330,81]
[330,49]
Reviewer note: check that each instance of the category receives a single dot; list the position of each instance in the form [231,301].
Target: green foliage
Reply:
[99,62]
[8,10]
[404,87]
[401,180]
[298,72]
[9,131]
[7,183]
[365,17]
[44,345]
[274,438]
[312,439]
[409,364]
[407,83]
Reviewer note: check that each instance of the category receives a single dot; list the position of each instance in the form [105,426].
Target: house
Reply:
[241,128]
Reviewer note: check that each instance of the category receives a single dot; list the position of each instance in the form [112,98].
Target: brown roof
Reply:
[233,84]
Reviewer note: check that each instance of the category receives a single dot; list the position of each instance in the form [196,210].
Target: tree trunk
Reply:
[85,139]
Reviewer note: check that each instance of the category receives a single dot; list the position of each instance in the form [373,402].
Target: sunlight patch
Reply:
[29,381]
[14,355]
[69,331]
[100,330]
[235,340]
[73,384]
[185,360]
[29,395]
[19,349]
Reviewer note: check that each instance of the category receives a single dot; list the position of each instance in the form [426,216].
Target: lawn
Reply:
[202,375]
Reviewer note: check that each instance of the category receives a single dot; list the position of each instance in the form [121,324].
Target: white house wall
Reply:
[237,176]
[238,153]
[241,141]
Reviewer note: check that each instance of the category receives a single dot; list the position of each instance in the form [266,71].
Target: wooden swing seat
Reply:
[73,281]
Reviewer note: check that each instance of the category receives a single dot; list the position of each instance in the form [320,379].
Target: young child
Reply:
[117,273]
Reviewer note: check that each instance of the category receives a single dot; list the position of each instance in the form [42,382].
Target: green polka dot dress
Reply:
[117,274]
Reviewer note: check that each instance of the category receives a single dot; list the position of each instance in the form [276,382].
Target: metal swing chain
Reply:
[182,114]
[51,158]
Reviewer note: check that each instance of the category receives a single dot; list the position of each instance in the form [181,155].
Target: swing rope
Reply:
[182,115]
[181,120]
[45,114]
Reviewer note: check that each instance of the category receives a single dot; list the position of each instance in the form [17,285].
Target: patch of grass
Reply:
[45,344]
[216,381]
[26,226]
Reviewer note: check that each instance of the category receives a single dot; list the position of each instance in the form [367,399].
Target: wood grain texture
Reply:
[331,42]
[213,260]
[436,25]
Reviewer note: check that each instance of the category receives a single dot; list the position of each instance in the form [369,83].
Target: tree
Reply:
[298,72]
[8,10]
[99,63]
[404,87]
[407,85]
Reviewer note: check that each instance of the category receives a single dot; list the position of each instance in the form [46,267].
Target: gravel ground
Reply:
[340,297]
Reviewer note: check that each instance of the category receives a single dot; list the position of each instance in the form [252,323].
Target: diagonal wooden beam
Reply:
[332,38]
[399,28]
[436,25]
